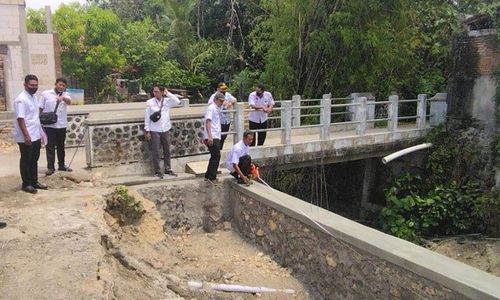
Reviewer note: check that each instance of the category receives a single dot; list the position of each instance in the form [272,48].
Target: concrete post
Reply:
[239,121]
[185,102]
[351,110]
[325,116]
[48,18]
[421,111]
[286,122]
[295,110]
[438,109]
[361,115]
[393,113]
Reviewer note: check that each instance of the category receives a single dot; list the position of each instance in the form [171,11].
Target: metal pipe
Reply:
[405,151]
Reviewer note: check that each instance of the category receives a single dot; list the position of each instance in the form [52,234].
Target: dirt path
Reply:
[61,244]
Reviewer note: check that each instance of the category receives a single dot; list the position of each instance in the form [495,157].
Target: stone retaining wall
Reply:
[334,267]
[124,143]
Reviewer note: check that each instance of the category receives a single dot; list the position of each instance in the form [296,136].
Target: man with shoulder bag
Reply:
[54,119]
[157,127]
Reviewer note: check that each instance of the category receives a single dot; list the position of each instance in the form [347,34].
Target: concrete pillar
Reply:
[185,102]
[48,19]
[325,116]
[393,112]
[421,111]
[351,110]
[24,41]
[286,122]
[361,115]
[295,110]
[438,109]
[368,183]
[370,111]
[239,121]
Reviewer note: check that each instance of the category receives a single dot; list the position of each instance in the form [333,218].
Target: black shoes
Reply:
[40,186]
[159,175]
[3,225]
[170,172]
[64,168]
[49,172]
[30,189]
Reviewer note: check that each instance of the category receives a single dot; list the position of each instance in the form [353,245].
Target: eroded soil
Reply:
[61,244]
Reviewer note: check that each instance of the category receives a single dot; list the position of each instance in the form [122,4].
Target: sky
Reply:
[54,4]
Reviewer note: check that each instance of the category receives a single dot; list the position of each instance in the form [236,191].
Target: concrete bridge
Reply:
[301,131]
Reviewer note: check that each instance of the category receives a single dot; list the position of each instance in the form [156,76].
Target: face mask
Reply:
[31,91]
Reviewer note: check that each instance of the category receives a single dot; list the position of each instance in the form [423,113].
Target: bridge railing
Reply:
[355,112]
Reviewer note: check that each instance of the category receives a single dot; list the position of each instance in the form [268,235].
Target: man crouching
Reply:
[239,161]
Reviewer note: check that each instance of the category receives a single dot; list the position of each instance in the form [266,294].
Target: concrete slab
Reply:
[197,167]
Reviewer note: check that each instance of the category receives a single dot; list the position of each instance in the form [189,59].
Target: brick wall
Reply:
[487,53]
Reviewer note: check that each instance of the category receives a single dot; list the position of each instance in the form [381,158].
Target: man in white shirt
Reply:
[57,100]
[212,135]
[225,118]
[158,130]
[262,103]
[27,134]
[238,161]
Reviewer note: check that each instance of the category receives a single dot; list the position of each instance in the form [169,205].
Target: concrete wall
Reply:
[41,59]
[341,259]
[24,53]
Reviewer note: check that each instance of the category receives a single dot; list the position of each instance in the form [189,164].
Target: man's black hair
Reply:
[61,79]
[30,77]
[261,86]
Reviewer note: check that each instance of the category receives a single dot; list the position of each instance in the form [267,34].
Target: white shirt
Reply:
[153,105]
[212,114]
[225,117]
[258,116]
[48,103]
[26,107]
[238,150]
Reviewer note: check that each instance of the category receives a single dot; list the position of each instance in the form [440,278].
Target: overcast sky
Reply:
[54,4]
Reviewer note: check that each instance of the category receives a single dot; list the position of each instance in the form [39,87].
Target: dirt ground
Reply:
[61,244]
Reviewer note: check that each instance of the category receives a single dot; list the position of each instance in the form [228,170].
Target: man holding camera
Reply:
[56,100]
[157,127]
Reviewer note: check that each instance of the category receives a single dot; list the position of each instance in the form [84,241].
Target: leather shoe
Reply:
[40,186]
[30,189]
[64,168]
[49,172]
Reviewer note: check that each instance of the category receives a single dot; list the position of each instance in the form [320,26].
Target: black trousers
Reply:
[260,136]
[56,137]
[213,163]
[244,165]
[224,128]
[28,164]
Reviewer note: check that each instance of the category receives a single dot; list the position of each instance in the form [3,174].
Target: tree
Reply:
[35,20]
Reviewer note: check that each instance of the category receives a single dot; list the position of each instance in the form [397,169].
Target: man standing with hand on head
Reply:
[157,127]
[27,134]
[56,100]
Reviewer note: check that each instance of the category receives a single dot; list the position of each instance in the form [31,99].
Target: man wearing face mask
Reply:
[225,117]
[56,99]
[262,102]
[27,134]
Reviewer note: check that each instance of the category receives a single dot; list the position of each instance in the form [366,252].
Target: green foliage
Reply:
[449,197]
[123,206]
[444,210]
[170,74]
[142,47]
[35,20]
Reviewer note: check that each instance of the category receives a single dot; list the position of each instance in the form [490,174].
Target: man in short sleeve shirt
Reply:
[262,103]
[27,134]
[212,135]
[239,160]
[56,133]
[225,117]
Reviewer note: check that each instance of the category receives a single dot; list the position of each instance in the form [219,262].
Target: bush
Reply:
[123,206]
